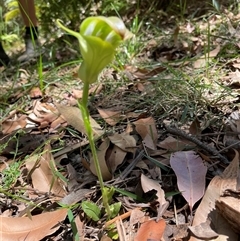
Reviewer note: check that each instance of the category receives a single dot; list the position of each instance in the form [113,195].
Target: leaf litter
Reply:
[171,185]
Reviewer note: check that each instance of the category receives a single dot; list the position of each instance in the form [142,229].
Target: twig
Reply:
[209,149]
[122,216]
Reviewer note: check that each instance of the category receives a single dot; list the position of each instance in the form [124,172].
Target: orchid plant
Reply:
[98,38]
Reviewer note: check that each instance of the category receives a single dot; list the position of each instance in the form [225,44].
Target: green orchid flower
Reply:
[98,38]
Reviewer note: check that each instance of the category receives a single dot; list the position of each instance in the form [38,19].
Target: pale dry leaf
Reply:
[34,229]
[42,170]
[149,184]
[124,141]
[137,216]
[207,208]
[203,60]
[203,231]
[101,154]
[191,175]
[111,117]
[73,116]
[146,128]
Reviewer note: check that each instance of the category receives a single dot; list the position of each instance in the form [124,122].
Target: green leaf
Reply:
[115,208]
[91,210]
[73,225]
[129,194]
[157,163]
[109,193]
[113,234]
[11,14]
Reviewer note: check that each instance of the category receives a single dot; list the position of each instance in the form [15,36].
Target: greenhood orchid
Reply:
[98,38]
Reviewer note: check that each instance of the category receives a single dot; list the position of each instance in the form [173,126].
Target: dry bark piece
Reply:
[229,208]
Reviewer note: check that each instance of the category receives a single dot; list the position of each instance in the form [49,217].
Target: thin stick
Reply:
[209,149]
[122,217]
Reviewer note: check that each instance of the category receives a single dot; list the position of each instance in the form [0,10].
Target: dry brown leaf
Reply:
[105,238]
[77,94]
[124,141]
[203,60]
[195,128]
[35,92]
[143,73]
[80,227]
[204,231]
[151,230]
[34,229]
[73,116]
[207,208]
[43,113]
[8,126]
[101,153]
[173,144]
[115,158]
[43,177]
[146,128]
[111,117]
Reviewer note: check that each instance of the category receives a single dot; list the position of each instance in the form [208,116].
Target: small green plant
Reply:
[98,39]
[10,175]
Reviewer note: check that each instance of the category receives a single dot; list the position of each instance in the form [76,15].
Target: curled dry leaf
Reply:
[16,123]
[34,229]
[204,231]
[45,114]
[149,184]
[207,208]
[42,170]
[146,128]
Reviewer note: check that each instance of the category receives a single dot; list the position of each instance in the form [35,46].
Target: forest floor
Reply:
[166,121]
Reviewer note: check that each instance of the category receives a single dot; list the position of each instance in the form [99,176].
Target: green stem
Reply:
[88,127]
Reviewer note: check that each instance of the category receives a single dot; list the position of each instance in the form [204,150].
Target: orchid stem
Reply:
[87,124]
